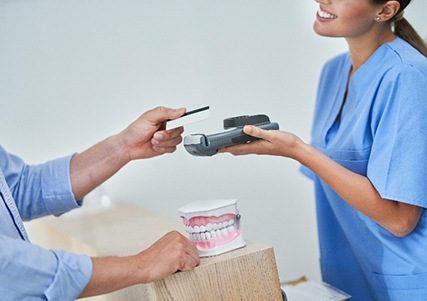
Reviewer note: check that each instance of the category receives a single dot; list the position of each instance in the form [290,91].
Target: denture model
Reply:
[213,226]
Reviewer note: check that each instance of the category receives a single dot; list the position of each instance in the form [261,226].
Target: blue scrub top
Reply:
[382,134]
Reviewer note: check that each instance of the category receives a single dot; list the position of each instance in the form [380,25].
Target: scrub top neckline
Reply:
[360,77]
[347,91]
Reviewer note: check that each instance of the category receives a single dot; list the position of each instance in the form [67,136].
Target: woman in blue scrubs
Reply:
[368,155]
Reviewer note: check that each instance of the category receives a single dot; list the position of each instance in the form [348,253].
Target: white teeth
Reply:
[209,227]
[210,230]
[326,15]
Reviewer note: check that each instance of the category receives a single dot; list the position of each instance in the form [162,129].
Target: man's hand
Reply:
[146,137]
[171,253]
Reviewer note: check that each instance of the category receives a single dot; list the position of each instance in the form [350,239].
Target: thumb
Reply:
[256,132]
[161,114]
[176,113]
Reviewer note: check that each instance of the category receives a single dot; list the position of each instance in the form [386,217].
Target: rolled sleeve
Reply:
[56,186]
[39,190]
[29,272]
[71,277]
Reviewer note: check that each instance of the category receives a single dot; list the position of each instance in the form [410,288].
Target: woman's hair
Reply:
[403,29]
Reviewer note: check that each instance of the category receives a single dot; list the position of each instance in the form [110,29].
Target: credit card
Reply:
[189,117]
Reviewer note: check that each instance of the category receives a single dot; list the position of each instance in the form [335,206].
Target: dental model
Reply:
[213,226]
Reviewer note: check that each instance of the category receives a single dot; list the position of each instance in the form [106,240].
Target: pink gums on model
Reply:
[208,232]
[213,226]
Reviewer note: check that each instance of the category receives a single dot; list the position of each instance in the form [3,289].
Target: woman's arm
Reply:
[398,218]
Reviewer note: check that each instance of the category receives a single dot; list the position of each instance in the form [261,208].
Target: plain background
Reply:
[74,72]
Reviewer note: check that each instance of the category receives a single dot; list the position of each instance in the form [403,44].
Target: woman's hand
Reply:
[272,142]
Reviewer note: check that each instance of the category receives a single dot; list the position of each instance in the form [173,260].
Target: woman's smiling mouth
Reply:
[325,15]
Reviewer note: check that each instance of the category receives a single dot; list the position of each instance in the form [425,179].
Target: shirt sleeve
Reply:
[30,272]
[307,172]
[39,190]
[397,166]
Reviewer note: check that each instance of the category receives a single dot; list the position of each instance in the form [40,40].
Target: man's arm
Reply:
[29,271]
[146,137]
[172,253]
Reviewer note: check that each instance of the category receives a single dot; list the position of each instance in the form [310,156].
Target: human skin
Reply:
[365,27]
[171,253]
[145,138]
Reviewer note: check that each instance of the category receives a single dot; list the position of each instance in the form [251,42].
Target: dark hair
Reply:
[403,29]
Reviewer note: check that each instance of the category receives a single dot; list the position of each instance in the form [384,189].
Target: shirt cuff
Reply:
[72,276]
[57,193]
[307,172]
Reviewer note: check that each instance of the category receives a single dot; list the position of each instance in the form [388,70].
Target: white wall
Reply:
[73,72]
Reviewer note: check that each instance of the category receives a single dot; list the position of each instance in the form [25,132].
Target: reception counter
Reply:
[248,273]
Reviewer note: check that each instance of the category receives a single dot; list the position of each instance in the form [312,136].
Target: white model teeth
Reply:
[326,15]
[212,234]
[211,230]
[209,227]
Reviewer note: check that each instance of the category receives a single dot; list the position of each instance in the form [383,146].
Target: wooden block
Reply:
[248,273]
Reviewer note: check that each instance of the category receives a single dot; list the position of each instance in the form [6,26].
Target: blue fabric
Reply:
[28,272]
[382,135]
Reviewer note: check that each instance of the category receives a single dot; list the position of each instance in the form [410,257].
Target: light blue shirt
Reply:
[382,134]
[28,272]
